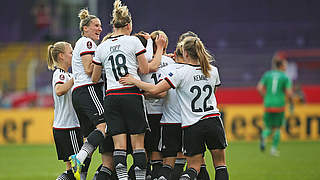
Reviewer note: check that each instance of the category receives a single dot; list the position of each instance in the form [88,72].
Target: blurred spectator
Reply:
[41,13]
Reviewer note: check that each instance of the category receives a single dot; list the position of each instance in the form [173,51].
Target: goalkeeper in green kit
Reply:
[274,86]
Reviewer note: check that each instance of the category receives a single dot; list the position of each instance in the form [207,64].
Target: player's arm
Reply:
[155,62]
[261,89]
[96,73]
[87,64]
[62,89]
[158,96]
[289,94]
[162,86]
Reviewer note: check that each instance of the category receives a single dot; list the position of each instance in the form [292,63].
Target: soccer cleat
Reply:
[274,152]
[76,166]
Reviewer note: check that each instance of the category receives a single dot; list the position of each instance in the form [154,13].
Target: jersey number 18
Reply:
[118,68]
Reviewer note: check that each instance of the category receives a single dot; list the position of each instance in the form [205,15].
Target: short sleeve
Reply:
[288,84]
[218,82]
[149,49]
[138,47]
[174,78]
[263,79]
[87,47]
[97,60]
[59,77]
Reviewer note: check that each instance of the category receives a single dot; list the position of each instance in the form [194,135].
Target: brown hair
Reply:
[179,50]
[154,35]
[85,19]
[196,50]
[187,34]
[121,15]
[53,52]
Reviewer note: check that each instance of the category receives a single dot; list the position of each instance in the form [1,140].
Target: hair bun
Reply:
[84,13]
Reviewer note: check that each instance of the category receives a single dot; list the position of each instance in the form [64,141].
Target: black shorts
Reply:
[125,113]
[208,132]
[171,140]
[152,138]
[87,102]
[106,145]
[68,142]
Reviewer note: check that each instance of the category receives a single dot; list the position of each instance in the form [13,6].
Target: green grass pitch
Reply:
[298,160]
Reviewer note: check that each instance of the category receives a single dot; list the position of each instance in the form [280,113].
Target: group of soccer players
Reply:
[160,108]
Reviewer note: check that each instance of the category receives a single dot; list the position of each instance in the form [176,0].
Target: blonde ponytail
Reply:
[50,60]
[53,53]
[197,51]
[121,15]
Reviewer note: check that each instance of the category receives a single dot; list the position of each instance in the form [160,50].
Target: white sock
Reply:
[82,155]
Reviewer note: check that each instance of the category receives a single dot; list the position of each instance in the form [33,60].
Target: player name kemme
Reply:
[199,77]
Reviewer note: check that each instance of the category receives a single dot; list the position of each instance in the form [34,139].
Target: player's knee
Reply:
[95,137]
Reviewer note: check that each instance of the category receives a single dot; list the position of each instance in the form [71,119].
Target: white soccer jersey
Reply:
[83,46]
[64,115]
[195,92]
[171,108]
[118,56]
[154,106]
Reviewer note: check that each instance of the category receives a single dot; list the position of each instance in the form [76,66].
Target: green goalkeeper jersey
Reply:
[276,82]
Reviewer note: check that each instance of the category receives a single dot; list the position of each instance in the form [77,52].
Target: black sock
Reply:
[120,163]
[95,138]
[178,168]
[67,175]
[189,174]
[140,163]
[104,174]
[156,166]
[221,173]
[131,173]
[165,172]
[203,174]
[70,174]
[148,173]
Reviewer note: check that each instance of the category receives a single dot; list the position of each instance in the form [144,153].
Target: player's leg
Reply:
[179,166]
[120,155]
[151,144]
[266,130]
[216,143]
[136,121]
[203,174]
[106,151]
[277,123]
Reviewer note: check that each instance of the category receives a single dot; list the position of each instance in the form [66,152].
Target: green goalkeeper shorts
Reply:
[273,119]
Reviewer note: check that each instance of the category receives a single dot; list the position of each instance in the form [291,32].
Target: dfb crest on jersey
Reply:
[61,77]
[89,44]
[170,74]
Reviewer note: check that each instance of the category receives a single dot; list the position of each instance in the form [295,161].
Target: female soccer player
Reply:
[119,55]
[154,110]
[66,125]
[195,85]
[87,96]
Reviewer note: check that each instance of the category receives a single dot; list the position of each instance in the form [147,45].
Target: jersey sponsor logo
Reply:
[61,77]
[89,44]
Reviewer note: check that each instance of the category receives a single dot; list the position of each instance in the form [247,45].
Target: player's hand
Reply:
[127,80]
[145,35]
[170,55]
[160,41]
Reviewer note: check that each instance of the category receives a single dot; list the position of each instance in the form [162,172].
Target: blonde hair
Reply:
[179,50]
[187,34]
[121,15]
[85,19]
[196,50]
[107,36]
[154,35]
[53,52]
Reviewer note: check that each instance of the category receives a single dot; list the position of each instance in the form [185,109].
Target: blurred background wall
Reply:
[243,35]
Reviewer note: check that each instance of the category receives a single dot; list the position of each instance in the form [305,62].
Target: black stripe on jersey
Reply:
[218,85]
[141,52]
[169,82]
[59,82]
[87,52]
[96,63]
